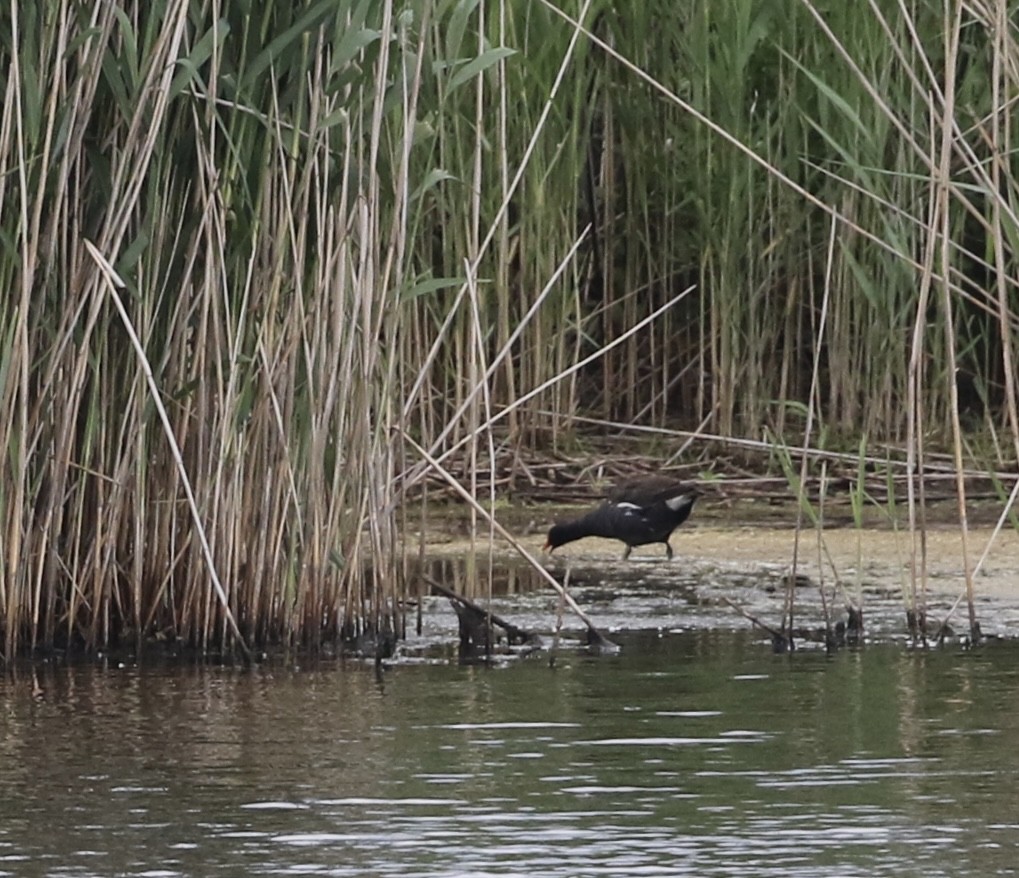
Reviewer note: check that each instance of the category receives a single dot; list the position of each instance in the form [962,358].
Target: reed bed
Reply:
[273,267]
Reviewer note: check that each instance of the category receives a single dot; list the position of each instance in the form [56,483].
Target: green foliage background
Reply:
[341,223]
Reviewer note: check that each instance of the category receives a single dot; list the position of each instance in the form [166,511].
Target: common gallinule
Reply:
[639,511]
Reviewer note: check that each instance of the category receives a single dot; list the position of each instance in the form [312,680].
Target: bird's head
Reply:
[556,538]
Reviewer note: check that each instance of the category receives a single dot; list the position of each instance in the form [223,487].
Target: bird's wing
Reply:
[629,522]
[647,490]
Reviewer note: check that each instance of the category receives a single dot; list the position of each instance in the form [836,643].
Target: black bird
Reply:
[638,511]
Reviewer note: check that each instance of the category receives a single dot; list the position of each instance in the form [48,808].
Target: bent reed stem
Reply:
[113,282]
[517,546]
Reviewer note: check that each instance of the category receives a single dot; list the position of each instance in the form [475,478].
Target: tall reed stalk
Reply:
[485,226]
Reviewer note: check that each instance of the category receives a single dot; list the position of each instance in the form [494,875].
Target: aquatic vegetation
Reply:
[249,250]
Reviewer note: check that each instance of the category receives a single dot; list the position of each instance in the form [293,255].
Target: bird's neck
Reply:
[586,526]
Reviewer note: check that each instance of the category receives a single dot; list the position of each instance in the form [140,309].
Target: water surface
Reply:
[697,754]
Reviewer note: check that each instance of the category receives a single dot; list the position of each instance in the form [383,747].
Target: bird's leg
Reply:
[668,550]
[626,554]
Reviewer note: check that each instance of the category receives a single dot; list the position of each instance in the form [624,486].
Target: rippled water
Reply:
[698,754]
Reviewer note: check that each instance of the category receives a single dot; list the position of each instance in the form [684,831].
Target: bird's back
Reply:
[643,510]
[638,511]
[647,491]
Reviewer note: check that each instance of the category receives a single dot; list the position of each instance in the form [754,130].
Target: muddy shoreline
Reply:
[743,552]
[730,553]
[749,532]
